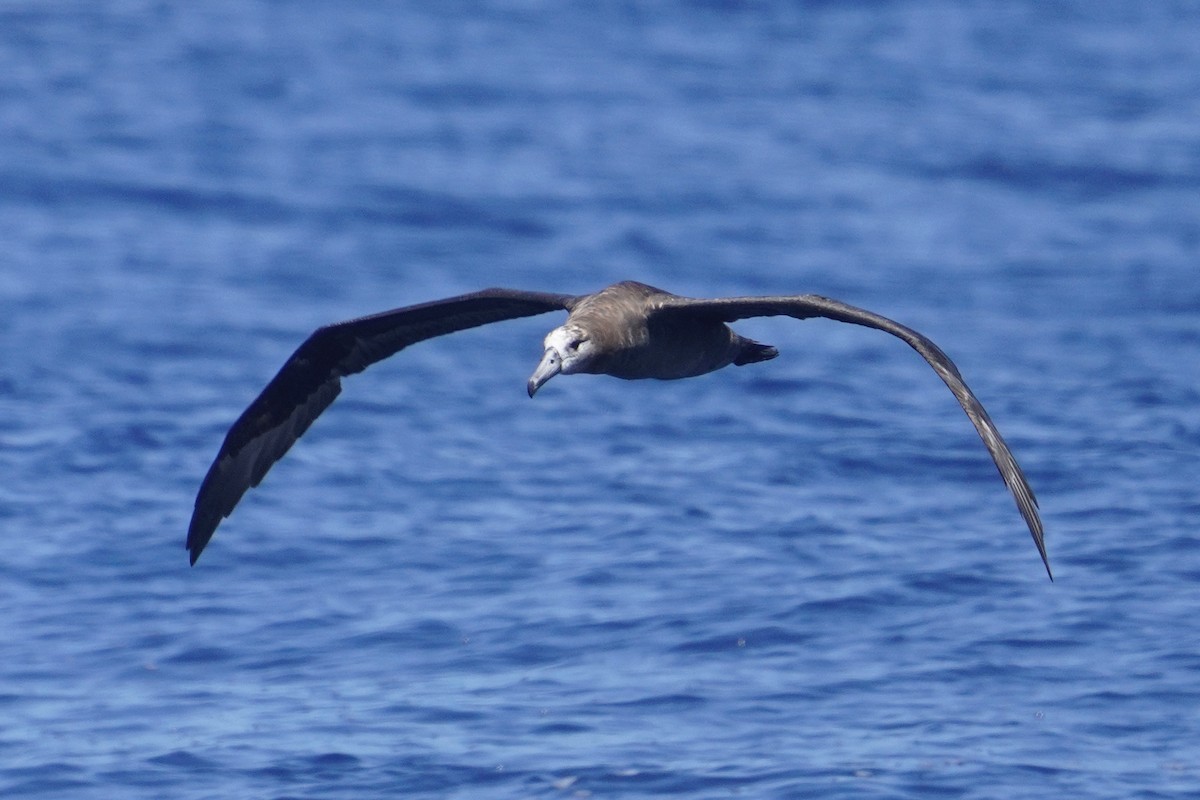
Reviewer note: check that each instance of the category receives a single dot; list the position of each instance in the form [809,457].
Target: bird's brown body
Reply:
[633,344]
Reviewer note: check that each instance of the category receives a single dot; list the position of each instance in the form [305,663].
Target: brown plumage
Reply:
[628,330]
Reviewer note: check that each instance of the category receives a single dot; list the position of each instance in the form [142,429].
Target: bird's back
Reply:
[635,343]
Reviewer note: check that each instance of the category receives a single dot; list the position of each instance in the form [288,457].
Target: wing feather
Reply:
[811,305]
[310,380]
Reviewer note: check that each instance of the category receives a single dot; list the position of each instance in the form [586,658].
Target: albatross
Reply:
[628,330]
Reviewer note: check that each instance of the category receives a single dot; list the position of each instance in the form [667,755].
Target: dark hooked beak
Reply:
[551,365]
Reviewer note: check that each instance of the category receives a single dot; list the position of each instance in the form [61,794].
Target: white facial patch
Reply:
[574,348]
[562,339]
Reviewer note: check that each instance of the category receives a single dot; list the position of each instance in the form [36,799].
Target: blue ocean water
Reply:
[798,579]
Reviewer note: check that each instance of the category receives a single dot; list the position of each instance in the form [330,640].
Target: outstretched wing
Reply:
[311,379]
[811,305]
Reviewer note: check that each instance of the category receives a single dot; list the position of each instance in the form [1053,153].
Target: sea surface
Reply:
[798,579]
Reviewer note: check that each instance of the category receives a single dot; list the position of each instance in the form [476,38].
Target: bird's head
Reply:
[568,349]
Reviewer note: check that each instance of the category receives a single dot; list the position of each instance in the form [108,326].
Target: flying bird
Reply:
[628,330]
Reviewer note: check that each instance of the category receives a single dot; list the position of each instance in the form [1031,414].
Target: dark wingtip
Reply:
[194,552]
[1039,539]
[200,531]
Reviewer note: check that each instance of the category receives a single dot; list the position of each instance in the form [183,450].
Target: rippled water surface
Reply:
[798,579]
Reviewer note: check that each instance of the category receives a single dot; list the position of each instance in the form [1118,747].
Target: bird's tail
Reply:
[753,352]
